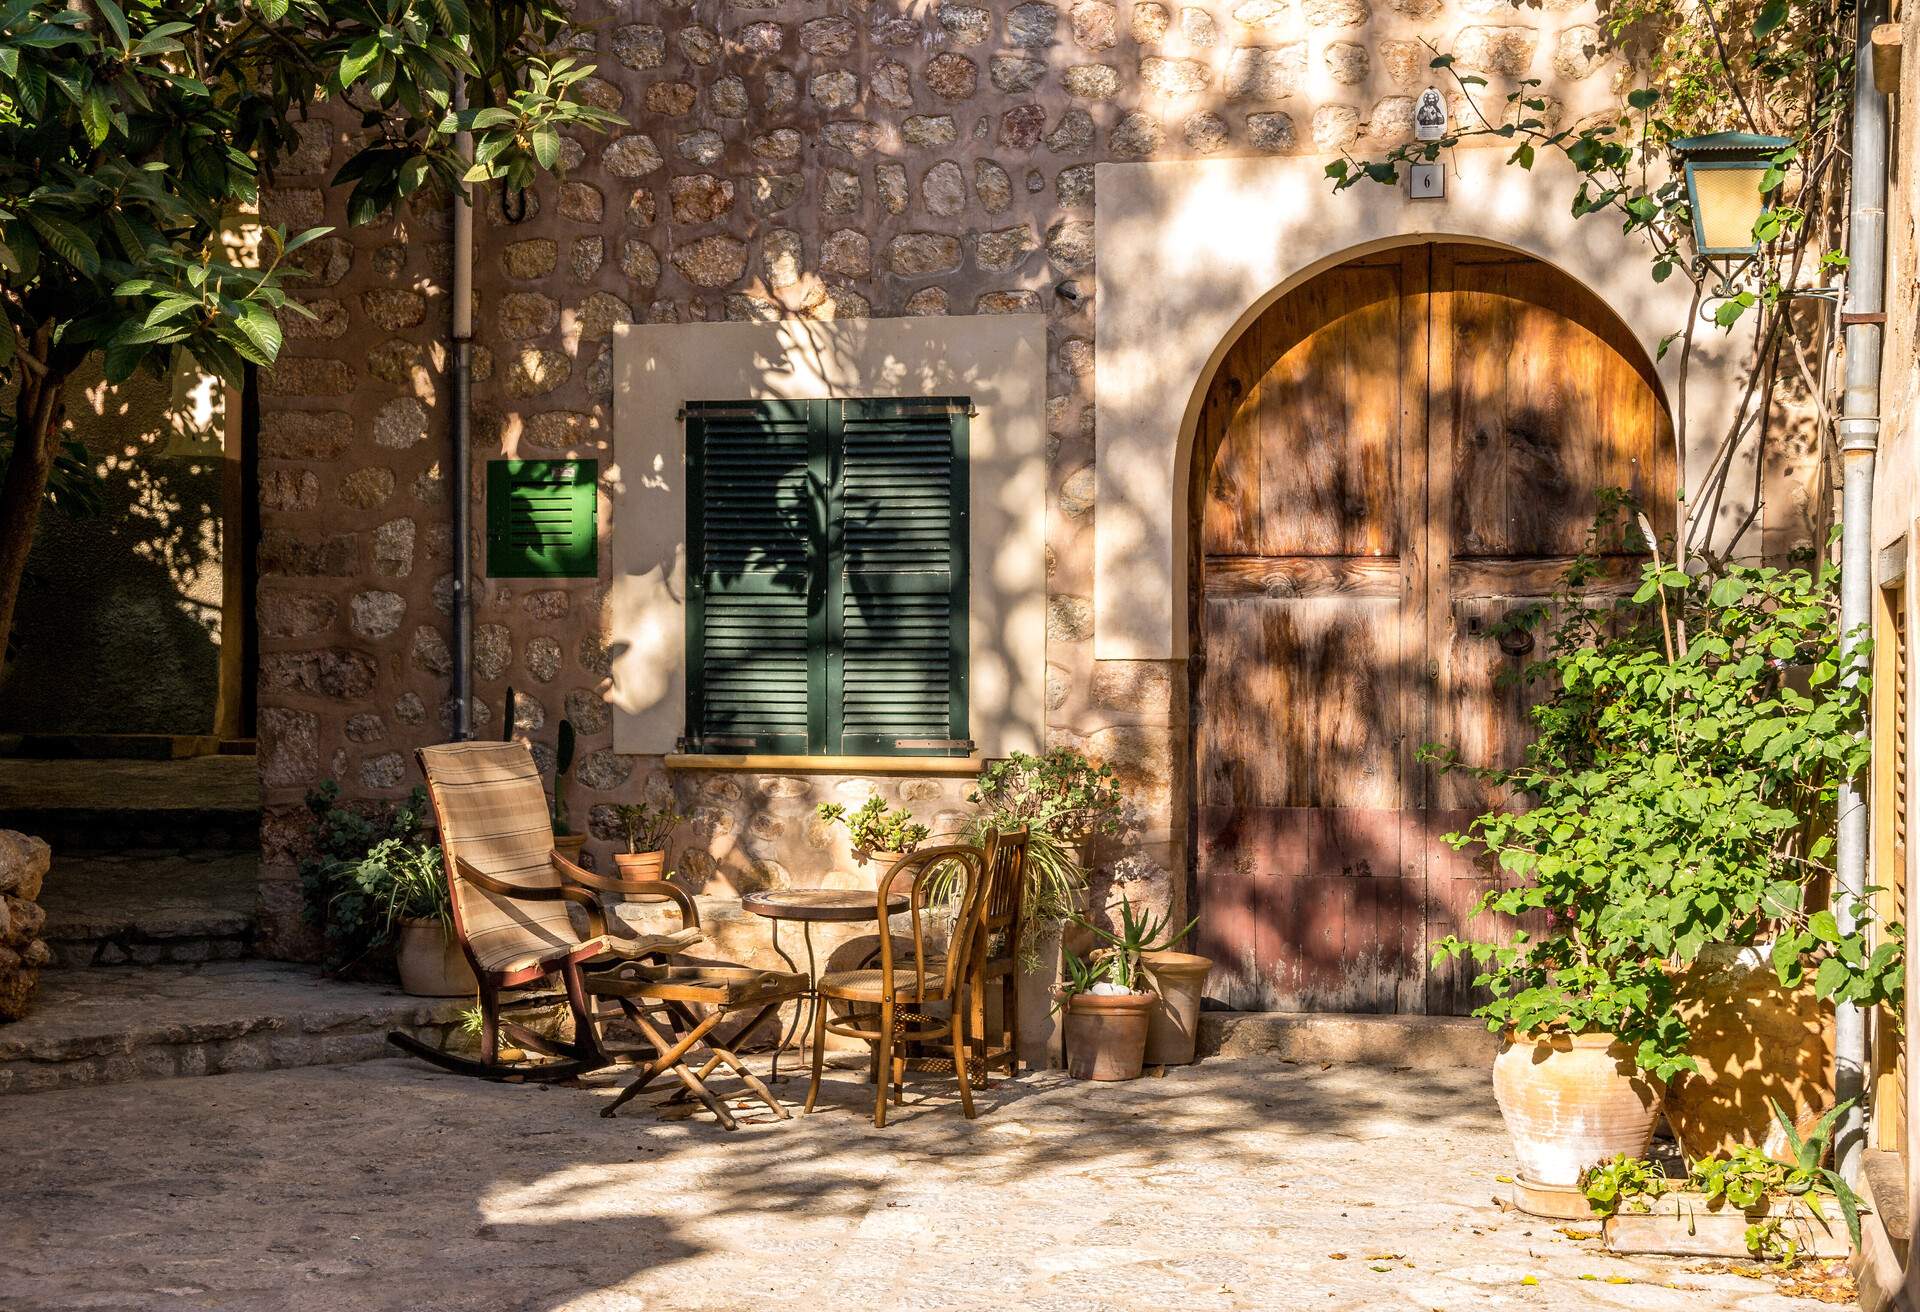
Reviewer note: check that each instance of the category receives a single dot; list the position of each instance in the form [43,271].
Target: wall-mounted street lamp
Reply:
[1724,172]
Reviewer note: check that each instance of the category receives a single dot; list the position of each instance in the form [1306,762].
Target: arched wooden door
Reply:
[1392,459]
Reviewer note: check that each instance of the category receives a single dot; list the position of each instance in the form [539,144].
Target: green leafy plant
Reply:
[1052,880]
[135,134]
[1624,1184]
[874,828]
[647,828]
[1117,960]
[1061,794]
[1746,1179]
[405,881]
[1679,792]
[348,892]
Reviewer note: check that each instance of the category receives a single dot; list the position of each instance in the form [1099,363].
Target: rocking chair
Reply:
[510,912]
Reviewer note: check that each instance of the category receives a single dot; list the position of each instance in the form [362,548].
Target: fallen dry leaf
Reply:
[1336,1257]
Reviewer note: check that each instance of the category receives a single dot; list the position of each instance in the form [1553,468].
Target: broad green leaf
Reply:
[67,240]
[361,56]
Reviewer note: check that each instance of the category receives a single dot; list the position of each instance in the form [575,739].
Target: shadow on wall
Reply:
[118,628]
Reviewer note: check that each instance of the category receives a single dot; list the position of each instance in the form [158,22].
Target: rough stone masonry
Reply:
[867,159]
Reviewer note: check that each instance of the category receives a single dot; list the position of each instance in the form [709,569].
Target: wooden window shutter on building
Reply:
[543,519]
[899,676]
[827,547]
[756,534]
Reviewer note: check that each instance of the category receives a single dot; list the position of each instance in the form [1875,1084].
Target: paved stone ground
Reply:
[1235,1184]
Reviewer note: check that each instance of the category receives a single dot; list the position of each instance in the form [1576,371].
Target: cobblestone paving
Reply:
[1236,1184]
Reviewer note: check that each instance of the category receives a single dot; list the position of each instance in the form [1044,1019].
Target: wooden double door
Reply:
[1394,461]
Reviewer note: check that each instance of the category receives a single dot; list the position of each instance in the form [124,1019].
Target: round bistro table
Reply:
[814,906]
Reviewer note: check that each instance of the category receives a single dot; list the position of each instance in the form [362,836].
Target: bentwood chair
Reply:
[510,912]
[918,999]
[997,948]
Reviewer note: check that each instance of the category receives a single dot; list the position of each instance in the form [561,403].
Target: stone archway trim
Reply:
[1190,253]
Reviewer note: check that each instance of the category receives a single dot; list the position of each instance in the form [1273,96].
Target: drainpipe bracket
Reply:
[1858,433]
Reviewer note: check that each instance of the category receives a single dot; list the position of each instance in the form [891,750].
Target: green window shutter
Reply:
[897,676]
[755,545]
[543,519]
[827,577]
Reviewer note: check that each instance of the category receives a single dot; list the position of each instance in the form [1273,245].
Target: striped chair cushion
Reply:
[493,814]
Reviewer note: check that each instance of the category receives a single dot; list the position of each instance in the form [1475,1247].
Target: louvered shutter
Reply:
[897,675]
[542,519]
[756,551]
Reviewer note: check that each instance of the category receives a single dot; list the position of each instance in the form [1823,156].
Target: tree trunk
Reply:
[24,489]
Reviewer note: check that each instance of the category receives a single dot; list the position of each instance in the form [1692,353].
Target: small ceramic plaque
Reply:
[1430,116]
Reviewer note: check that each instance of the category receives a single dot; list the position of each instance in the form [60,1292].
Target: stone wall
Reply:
[876,159]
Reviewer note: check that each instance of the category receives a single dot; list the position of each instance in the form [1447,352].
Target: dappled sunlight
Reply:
[121,620]
[1245,1183]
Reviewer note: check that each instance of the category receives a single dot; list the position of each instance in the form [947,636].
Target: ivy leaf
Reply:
[1772,14]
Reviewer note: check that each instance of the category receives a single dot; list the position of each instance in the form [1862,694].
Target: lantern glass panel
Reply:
[1727,201]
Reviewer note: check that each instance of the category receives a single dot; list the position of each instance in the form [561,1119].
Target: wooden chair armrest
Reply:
[689,914]
[596,922]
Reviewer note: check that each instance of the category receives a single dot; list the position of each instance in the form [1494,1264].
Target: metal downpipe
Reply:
[461,472]
[1858,430]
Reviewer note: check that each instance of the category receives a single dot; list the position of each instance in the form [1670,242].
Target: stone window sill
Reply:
[774,764]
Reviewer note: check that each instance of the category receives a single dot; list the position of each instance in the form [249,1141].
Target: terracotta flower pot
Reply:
[1106,1035]
[1572,1101]
[1173,1026]
[642,865]
[569,845]
[431,963]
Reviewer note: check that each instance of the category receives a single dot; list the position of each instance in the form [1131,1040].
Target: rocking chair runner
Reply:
[510,910]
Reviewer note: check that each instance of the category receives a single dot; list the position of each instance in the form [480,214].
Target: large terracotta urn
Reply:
[1756,1043]
[1572,1101]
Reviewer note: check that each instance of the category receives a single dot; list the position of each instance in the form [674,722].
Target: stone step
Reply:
[114,910]
[158,1022]
[1421,1043]
[198,804]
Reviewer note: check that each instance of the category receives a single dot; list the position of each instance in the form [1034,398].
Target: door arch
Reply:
[1391,459]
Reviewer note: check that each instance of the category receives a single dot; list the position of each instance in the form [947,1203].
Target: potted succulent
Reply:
[879,836]
[1108,997]
[1677,796]
[646,830]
